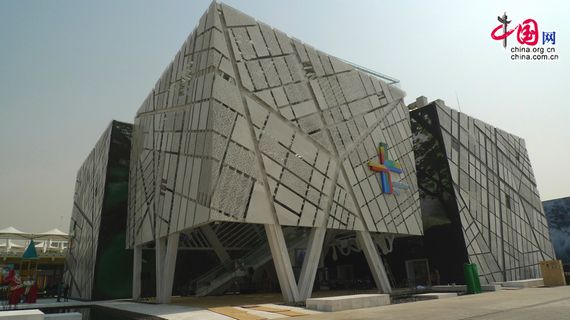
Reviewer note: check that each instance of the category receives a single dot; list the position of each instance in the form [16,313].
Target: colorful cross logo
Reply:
[384,168]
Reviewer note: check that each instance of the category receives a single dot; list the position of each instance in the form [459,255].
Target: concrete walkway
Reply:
[165,311]
[174,312]
[184,312]
[524,304]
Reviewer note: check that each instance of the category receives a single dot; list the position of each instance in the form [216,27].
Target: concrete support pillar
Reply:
[169,267]
[282,262]
[216,244]
[160,253]
[311,262]
[374,261]
[137,267]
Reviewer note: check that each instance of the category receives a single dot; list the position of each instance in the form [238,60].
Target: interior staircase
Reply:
[219,278]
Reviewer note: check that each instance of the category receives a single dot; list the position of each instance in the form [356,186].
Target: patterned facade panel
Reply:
[250,125]
[396,214]
[86,213]
[99,215]
[177,146]
[502,221]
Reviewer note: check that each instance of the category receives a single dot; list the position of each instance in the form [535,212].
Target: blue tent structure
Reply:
[30,253]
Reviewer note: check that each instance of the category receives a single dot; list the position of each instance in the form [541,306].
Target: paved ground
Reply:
[524,304]
[174,312]
[256,298]
[169,312]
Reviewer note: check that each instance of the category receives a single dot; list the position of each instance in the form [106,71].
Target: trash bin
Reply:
[472,278]
[552,273]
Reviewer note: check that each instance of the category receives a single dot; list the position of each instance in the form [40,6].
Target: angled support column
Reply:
[137,266]
[169,268]
[374,261]
[216,244]
[160,253]
[282,262]
[329,237]
[311,262]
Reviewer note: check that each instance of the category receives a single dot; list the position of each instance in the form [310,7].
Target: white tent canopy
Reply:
[15,241]
[53,234]
[12,230]
[13,233]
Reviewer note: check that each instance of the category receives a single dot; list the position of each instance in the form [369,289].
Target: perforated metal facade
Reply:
[486,173]
[249,125]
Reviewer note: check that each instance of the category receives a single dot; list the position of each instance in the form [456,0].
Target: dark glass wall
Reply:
[558,216]
[97,264]
[478,197]
[442,244]
[114,264]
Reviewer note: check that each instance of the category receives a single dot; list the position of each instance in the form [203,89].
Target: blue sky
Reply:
[68,67]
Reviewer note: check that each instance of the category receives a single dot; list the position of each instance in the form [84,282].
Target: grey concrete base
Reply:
[527,283]
[550,303]
[450,288]
[356,301]
[491,287]
[436,295]
[463,288]
[34,314]
[63,316]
